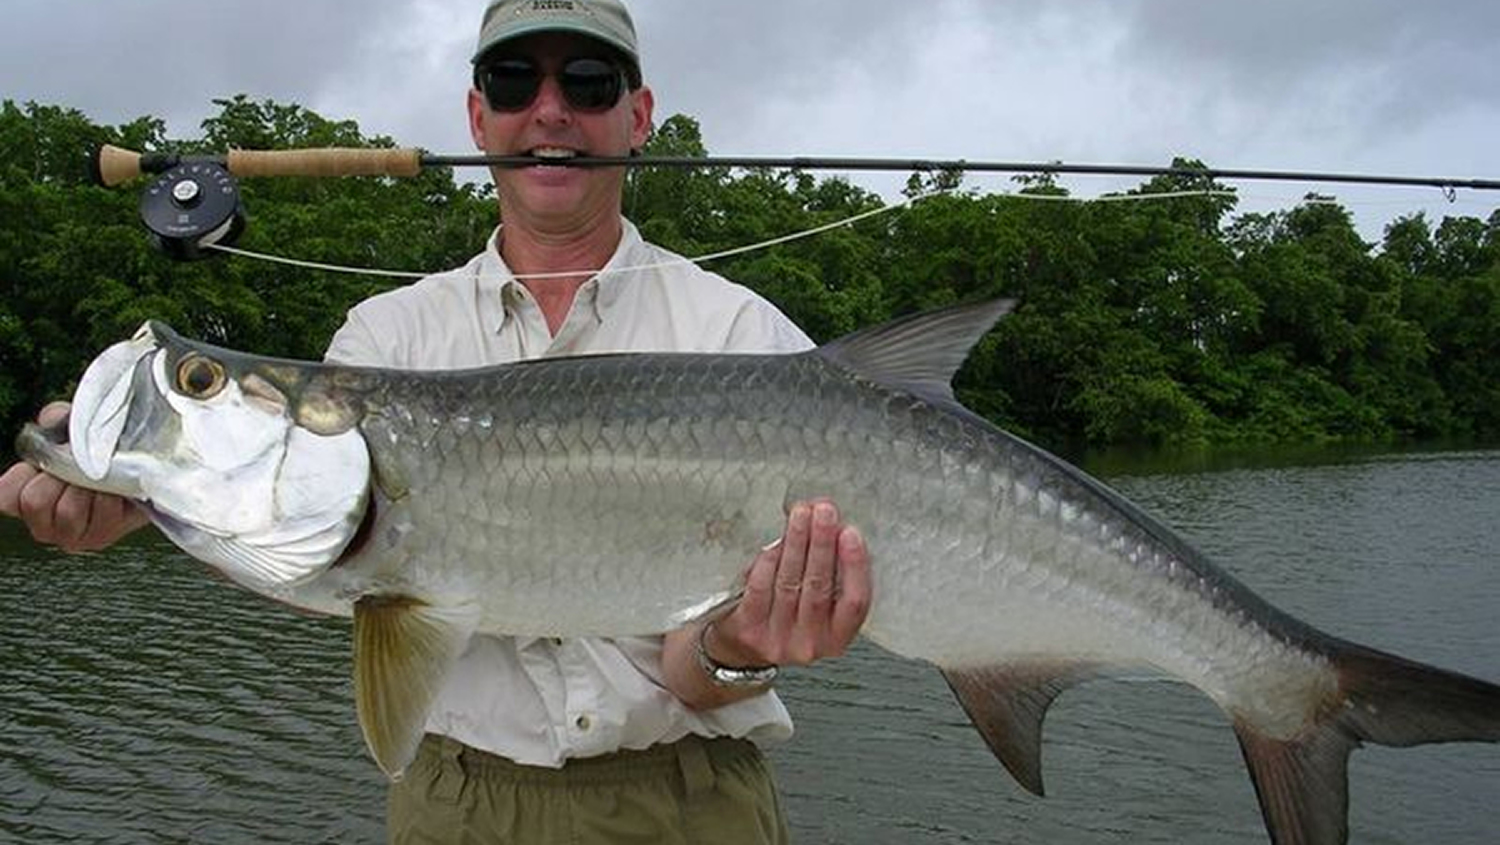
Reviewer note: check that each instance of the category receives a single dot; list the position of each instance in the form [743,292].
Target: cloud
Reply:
[168,58]
[409,78]
[1382,85]
[1355,68]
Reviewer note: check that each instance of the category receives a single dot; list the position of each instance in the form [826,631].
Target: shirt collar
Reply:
[498,284]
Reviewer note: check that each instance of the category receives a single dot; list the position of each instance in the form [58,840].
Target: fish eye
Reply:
[200,377]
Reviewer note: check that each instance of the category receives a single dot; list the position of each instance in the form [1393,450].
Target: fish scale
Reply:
[623,495]
[644,478]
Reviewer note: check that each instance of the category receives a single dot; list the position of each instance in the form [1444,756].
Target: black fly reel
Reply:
[193,206]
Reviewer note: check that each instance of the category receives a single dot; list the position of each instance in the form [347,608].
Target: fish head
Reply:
[247,463]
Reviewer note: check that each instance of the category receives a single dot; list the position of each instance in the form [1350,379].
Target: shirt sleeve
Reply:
[355,345]
[760,327]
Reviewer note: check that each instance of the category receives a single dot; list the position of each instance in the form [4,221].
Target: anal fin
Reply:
[403,649]
[1008,704]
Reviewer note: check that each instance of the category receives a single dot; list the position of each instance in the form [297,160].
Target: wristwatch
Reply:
[732,676]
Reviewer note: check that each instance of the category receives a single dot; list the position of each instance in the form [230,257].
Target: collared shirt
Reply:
[543,701]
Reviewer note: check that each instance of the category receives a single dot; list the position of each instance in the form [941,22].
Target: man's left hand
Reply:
[805,598]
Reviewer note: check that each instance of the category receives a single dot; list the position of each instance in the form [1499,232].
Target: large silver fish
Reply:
[620,495]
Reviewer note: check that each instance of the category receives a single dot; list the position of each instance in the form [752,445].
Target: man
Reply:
[534,740]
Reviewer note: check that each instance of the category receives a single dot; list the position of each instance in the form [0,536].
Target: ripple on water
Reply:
[143,699]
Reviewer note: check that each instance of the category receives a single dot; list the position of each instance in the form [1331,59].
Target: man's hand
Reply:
[60,514]
[805,598]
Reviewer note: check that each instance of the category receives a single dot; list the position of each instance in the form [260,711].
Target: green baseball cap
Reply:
[604,20]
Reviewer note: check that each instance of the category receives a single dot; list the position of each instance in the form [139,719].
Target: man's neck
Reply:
[529,253]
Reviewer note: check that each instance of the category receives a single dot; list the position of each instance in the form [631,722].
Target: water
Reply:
[144,700]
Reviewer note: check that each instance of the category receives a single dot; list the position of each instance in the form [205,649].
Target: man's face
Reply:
[556,199]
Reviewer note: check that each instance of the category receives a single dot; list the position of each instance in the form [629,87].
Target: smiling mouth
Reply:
[552,155]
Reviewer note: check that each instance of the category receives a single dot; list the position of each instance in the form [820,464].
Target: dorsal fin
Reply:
[918,353]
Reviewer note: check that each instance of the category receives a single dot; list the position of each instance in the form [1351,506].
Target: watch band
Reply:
[731,676]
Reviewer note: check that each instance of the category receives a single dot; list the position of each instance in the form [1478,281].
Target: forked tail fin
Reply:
[1303,783]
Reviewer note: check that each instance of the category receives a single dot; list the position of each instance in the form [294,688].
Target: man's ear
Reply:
[642,103]
[477,108]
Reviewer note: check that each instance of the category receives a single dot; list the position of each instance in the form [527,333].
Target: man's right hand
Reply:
[60,514]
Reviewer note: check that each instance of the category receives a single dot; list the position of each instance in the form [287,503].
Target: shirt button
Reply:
[582,722]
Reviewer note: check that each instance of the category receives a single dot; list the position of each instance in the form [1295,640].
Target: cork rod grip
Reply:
[330,161]
[116,166]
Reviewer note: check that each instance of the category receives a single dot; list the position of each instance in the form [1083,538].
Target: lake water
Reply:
[144,700]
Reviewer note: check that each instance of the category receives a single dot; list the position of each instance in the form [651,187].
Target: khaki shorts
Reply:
[695,790]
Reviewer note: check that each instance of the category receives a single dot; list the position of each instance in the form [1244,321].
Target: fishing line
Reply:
[712,256]
[406,274]
[252,255]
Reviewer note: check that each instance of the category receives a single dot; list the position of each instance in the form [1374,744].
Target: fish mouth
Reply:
[47,448]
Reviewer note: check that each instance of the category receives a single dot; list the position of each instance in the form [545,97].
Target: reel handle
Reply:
[115,166]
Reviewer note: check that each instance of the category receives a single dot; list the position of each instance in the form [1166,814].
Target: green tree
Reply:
[1152,317]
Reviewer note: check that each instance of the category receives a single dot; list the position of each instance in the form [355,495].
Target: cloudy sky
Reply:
[1381,86]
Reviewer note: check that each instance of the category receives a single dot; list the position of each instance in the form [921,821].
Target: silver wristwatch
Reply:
[732,676]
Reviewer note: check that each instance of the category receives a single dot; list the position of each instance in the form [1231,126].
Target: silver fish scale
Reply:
[609,495]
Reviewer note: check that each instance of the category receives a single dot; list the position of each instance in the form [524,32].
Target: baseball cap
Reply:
[604,20]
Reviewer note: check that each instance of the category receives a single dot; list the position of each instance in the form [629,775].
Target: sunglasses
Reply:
[589,85]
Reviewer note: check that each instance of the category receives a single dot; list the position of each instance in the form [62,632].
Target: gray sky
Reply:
[1384,86]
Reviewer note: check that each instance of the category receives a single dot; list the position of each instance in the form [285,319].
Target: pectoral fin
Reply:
[1008,703]
[403,649]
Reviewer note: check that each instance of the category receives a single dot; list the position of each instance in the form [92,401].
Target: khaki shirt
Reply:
[542,701]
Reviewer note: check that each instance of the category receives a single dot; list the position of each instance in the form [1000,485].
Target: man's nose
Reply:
[551,105]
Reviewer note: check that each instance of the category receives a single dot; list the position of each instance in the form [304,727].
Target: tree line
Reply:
[1164,322]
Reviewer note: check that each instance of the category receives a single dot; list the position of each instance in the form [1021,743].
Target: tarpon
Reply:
[624,495]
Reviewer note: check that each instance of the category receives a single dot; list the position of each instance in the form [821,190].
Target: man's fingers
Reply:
[789,567]
[806,596]
[852,603]
[822,555]
[53,413]
[760,583]
[12,483]
[38,505]
[71,515]
[113,518]
[819,577]
[59,514]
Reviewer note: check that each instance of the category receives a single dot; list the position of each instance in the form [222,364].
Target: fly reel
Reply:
[192,206]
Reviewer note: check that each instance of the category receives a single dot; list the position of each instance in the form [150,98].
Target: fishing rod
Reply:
[195,200]
[114,166]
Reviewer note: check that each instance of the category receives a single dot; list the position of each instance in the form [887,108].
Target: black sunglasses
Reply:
[589,85]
